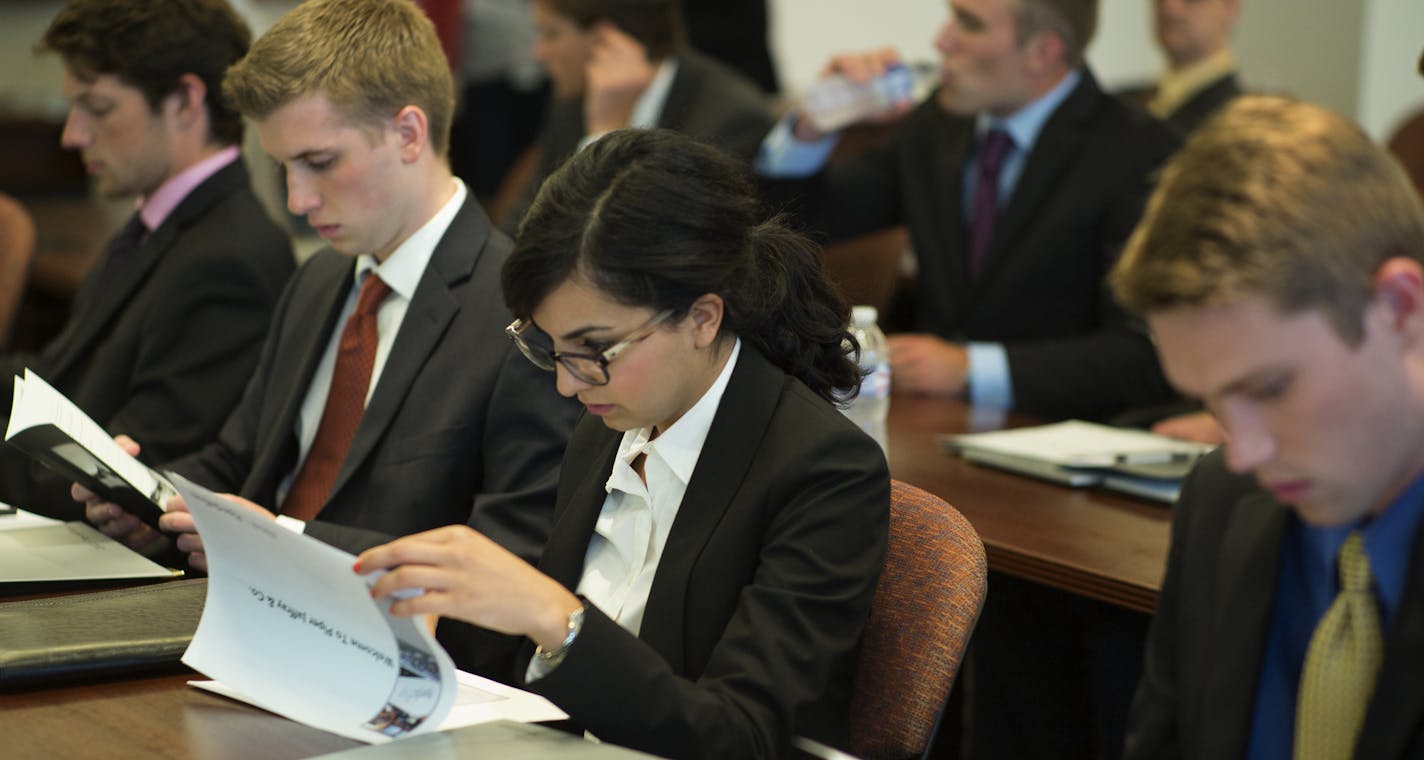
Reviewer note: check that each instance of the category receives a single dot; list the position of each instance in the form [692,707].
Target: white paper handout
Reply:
[34,548]
[289,627]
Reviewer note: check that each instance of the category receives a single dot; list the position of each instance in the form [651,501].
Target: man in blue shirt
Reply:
[1280,266]
[1011,309]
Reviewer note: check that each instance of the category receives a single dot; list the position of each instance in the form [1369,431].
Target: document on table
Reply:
[37,549]
[1078,453]
[289,627]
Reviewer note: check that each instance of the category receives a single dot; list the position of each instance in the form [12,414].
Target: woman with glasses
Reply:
[720,526]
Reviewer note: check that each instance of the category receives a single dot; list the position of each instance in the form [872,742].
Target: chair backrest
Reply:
[17,249]
[925,607]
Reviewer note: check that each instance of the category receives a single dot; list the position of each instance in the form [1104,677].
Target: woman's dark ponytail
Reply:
[653,218]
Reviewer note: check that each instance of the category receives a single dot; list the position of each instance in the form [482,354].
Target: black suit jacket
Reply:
[756,610]
[706,100]
[1197,693]
[461,428]
[163,353]
[1041,290]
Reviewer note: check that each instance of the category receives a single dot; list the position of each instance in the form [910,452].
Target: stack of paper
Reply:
[1079,453]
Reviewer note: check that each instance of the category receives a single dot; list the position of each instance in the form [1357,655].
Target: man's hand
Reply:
[861,67]
[179,521]
[111,519]
[927,365]
[1196,426]
[618,73]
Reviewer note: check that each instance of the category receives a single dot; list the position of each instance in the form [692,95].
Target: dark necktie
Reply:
[992,153]
[345,403]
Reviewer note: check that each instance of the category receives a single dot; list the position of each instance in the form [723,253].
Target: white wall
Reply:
[1356,57]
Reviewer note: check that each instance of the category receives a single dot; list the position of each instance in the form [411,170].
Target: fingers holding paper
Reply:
[179,521]
[111,519]
[464,575]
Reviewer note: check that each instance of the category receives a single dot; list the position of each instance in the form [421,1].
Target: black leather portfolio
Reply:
[131,630]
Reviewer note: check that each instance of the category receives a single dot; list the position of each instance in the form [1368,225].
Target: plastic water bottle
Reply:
[872,406]
[836,101]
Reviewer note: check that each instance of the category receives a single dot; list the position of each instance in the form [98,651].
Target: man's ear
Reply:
[1046,52]
[706,315]
[1399,288]
[187,103]
[413,131]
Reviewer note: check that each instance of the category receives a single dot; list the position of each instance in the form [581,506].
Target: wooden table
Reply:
[156,717]
[1089,542]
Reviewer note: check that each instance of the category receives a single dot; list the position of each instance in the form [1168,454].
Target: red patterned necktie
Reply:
[992,153]
[345,403]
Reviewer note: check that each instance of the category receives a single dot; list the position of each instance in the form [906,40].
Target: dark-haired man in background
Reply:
[166,327]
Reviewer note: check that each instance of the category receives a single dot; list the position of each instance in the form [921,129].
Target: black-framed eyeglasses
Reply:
[587,368]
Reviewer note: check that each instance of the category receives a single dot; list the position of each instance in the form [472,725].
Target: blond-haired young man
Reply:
[1280,265]
[354,99]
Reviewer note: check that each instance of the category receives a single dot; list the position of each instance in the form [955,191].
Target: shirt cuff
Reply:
[989,382]
[292,524]
[782,156]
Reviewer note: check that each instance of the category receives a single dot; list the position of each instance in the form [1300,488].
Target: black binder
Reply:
[85,636]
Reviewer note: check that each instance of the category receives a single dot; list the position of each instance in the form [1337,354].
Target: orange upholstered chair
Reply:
[925,608]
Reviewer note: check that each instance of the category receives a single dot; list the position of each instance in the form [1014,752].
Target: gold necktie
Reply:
[1340,665]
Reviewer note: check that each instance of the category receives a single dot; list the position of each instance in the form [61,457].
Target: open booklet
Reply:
[50,429]
[289,627]
[1079,453]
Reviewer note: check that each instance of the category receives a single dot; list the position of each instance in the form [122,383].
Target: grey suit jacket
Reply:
[763,588]
[1204,650]
[461,428]
[1041,291]
[162,353]
[707,100]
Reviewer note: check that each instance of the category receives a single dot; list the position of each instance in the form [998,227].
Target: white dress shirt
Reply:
[638,513]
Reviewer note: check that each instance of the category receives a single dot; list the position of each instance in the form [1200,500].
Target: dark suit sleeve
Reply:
[224,464]
[1153,728]
[1115,366]
[847,198]
[199,354]
[522,444]
[795,623]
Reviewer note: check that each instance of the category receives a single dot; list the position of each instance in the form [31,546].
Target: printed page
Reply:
[35,402]
[35,549]
[290,628]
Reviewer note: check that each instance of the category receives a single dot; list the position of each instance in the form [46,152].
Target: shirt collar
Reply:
[1177,86]
[1388,538]
[1025,124]
[154,209]
[649,107]
[681,444]
[403,269]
